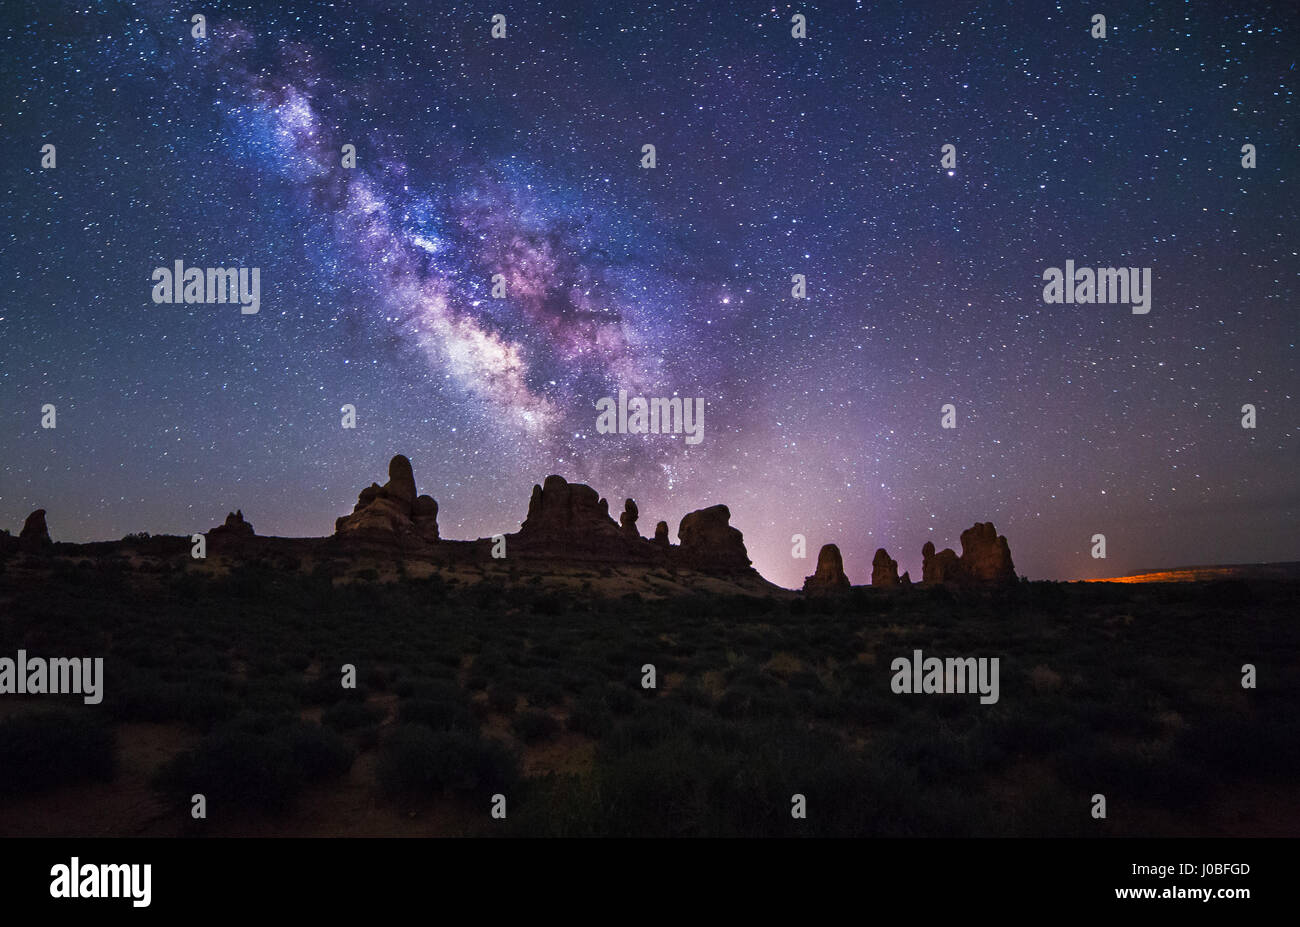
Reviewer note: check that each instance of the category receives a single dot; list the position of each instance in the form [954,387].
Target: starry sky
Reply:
[775,156]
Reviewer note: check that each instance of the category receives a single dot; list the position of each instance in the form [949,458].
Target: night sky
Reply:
[776,156]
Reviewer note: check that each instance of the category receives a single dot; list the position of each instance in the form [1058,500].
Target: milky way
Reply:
[428,259]
[776,156]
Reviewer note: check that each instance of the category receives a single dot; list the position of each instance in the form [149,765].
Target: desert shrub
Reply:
[1016,726]
[745,701]
[491,662]
[296,660]
[939,753]
[502,698]
[709,731]
[645,800]
[254,722]
[424,686]
[348,716]
[804,679]
[317,752]
[447,659]
[445,714]
[573,678]
[417,761]
[141,696]
[1256,745]
[272,695]
[265,666]
[548,604]
[1226,593]
[1117,714]
[590,716]
[532,726]
[716,778]
[327,688]
[234,767]
[256,762]
[548,650]
[694,694]
[203,707]
[51,749]
[1146,776]
[545,693]
[640,732]
[621,700]
[367,737]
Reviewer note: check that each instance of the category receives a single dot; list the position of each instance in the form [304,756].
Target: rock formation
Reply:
[985,555]
[392,509]
[401,481]
[560,509]
[938,568]
[627,521]
[234,527]
[424,515]
[829,576]
[884,569]
[35,536]
[709,543]
[567,535]
[985,559]
[906,580]
[569,521]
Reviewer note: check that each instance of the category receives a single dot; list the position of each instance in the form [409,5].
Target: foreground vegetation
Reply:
[464,692]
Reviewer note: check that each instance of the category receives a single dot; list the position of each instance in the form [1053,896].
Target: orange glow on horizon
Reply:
[1169,576]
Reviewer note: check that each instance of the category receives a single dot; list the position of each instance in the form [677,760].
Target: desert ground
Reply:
[225,680]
